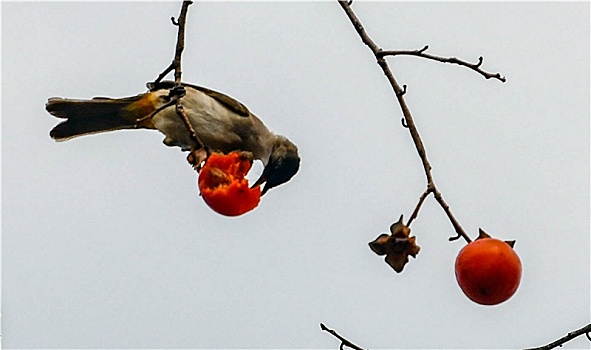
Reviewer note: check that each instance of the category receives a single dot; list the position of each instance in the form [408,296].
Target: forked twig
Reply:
[180,46]
[415,213]
[558,343]
[344,341]
[421,53]
[408,121]
[570,336]
[176,66]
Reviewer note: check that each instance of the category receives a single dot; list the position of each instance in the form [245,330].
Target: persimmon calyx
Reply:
[397,246]
[482,234]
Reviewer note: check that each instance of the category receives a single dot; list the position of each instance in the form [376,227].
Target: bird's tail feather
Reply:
[91,116]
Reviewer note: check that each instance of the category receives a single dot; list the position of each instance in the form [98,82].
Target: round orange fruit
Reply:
[223,185]
[488,271]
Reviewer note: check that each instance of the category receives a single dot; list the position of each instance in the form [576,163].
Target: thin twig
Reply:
[181,112]
[453,60]
[180,46]
[151,115]
[570,336]
[408,119]
[415,213]
[344,342]
[165,73]
[460,233]
[408,122]
[180,41]
[176,66]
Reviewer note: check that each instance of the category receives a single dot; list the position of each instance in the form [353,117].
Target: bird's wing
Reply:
[227,101]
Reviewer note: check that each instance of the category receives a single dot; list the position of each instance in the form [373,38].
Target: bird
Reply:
[220,123]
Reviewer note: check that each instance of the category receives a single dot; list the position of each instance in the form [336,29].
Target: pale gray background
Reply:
[107,244]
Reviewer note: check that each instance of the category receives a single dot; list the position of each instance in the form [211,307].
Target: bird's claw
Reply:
[178,90]
[197,157]
[247,155]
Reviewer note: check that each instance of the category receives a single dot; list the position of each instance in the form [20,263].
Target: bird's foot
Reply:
[177,91]
[196,158]
[247,155]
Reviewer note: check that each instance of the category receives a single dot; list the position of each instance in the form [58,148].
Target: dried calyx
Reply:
[397,246]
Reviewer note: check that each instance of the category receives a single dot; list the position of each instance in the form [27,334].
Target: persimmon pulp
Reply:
[223,185]
[488,271]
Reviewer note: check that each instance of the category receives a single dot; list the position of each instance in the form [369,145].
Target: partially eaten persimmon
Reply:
[223,184]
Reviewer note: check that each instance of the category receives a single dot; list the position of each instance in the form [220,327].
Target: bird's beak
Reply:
[262,179]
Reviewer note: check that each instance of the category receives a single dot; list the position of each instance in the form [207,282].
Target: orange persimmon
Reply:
[488,270]
[223,186]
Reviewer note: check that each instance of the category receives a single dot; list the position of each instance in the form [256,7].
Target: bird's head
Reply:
[283,164]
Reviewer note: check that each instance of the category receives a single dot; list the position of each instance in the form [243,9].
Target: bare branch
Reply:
[176,62]
[344,342]
[454,222]
[165,73]
[415,213]
[408,120]
[180,45]
[178,92]
[570,336]
[151,115]
[558,343]
[180,41]
[453,60]
[181,112]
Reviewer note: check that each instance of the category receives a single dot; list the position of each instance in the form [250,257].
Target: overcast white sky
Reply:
[107,244]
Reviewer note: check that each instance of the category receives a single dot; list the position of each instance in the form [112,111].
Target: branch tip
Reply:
[570,336]
[455,238]
[344,341]
[453,60]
